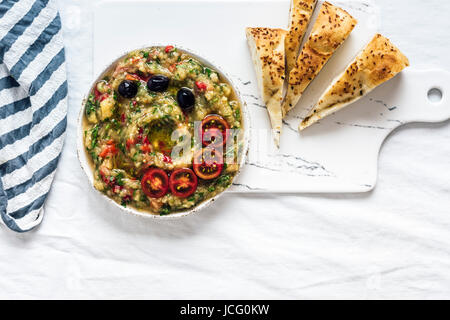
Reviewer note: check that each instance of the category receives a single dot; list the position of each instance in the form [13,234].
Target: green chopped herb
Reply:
[165,210]
[119,178]
[207,71]
[91,105]
[94,136]
[224,180]
[122,148]
[237,114]
[115,123]
[93,155]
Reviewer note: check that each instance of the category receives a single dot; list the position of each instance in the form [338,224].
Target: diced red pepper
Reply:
[130,142]
[167,159]
[201,86]
[131,77]
[97,93]
[127,198]
[108,150]
[173,67]
[146,148]
[122,118]
[117,188]
[138,76]
[110,182]
[168,49]
[99,96]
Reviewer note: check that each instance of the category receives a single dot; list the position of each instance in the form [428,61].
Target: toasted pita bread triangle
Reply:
[299,18]
[379,62]
[267,50]
[331,29]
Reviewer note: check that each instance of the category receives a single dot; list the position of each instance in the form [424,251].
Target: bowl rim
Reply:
[86,167]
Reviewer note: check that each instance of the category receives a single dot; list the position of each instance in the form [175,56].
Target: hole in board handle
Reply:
[435,95]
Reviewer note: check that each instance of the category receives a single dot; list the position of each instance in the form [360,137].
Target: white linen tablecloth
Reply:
[391,243]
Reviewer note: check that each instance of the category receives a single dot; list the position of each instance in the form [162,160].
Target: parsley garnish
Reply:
[207,71]
[119,178]
[94,136]
[165,210]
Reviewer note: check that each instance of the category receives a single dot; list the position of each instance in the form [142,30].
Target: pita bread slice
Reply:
[267,50]
[331,29]
[379,62]
[299,18]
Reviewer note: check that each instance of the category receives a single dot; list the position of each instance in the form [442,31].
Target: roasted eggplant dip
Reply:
[163,131]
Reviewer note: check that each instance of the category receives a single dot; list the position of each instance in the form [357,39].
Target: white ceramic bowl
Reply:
[84,160]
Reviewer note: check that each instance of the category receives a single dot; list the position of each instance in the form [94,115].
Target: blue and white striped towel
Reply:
[33,108]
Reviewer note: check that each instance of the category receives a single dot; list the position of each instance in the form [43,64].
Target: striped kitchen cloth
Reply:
[33,108]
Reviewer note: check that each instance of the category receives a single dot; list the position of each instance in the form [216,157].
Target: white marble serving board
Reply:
[340,154]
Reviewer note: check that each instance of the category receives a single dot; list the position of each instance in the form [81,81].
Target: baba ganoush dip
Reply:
[162,131]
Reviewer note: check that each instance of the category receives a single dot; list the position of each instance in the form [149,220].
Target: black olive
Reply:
[128,89]
[158,83]
[185,98]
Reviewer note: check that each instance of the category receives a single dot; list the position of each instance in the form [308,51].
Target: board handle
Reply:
[429,96]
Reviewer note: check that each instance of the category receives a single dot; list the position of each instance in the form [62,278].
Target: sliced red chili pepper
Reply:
[155,183]
[168,49]
[208,163]
[219,128]
[183,183]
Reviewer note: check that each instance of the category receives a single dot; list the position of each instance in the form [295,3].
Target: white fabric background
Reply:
[391,243]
